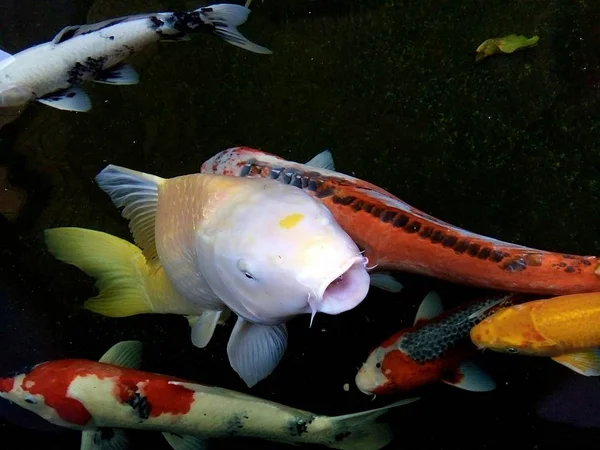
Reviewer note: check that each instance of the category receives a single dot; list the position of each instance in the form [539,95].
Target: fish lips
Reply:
[346,289]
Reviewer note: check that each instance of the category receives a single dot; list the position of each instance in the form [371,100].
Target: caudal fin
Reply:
[359,431]
[119,268]
[225,18]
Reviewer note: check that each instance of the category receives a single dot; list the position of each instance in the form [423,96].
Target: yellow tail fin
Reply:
[119,268]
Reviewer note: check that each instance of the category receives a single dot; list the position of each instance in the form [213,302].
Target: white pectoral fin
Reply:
[255,350]
[178,442]
[121,74]
[104,439]
[124,354]
[71,99]
[203,327]
[385,281]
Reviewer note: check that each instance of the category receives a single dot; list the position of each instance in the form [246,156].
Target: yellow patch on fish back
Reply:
[291,221]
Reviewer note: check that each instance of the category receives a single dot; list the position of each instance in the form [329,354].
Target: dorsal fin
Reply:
[6,59]
[430,307]
[77,30]
[124,354]
[323,160]
[137,192]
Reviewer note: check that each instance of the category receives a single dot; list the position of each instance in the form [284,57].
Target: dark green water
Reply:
[508,147]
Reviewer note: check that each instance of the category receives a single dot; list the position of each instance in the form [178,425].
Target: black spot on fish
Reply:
[400,221]
[413,227]
[192,21]
[388,216]
[234,425]
[585,262]
[343,200]
[473,249]
[341,436]
[497,256]
[140,405]
[112,38]
[516,265]
[156,22]
[461,247]
[274,173]
[326,192]
[367,207]
[298,426]
[88,69]
[426,232]
[297,181]
[358,205]
[449,241]
[437,236]
[484,253]
[570,269]
[245,170]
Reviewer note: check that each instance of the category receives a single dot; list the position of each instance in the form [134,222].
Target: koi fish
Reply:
[103,398]
[398,237]
[565,328]
[51,73]
[435,348]
[207,244]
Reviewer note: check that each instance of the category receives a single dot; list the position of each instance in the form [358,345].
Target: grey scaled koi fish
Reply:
[103,398]
[50,73]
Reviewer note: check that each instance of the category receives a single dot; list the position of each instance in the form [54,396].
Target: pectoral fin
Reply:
[71,99]
[124,354]
[385,281]
[104,439]
[178,442]
[585,363]
[121,74]
[203,327]
[470,377]
[430,308]
[255,350]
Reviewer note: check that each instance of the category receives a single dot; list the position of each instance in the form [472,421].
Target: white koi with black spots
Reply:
[51,72]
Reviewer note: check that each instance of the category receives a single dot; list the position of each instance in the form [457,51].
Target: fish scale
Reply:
[435,337]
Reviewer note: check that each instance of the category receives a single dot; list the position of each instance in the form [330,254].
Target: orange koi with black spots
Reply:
[397,236]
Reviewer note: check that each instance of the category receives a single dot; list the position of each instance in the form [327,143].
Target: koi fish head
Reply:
[371,379]
[511,330]
[12,95]
[232,161]
[21,390]
[272,252]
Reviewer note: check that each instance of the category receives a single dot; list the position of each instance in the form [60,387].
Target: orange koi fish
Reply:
[435,348]
[103,398]
[566,329]
[397,236]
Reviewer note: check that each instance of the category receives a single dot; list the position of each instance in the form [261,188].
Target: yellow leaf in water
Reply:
[507,44]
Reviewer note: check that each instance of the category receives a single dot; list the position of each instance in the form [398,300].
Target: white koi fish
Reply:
[214,243]
[51,73]
[103,398]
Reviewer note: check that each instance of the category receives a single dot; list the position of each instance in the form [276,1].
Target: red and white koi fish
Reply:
[436,348]
[103,398]
[397,236]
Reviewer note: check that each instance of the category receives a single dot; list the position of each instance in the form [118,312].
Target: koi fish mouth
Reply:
[347,290]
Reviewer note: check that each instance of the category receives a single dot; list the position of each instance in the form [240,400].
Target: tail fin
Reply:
[360,431]
[225,18]
[119,268]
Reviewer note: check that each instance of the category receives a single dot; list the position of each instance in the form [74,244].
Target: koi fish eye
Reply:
[244,268]
[512,350]
[378,365]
